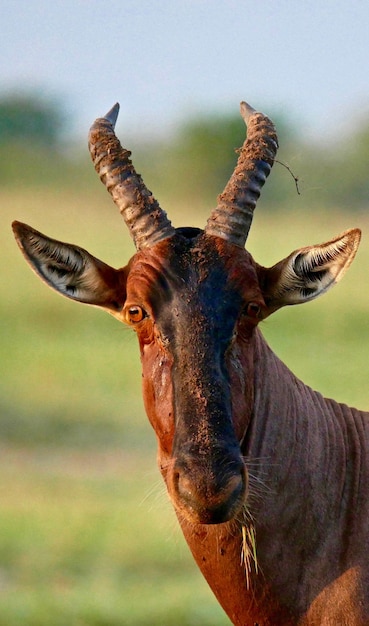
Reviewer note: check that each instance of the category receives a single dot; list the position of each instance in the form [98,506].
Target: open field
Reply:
[86,533]
[88,538]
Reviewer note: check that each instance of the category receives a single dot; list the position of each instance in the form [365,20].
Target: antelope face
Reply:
[194,299]
[188,299]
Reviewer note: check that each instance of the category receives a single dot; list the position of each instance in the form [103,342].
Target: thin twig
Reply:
[295,178]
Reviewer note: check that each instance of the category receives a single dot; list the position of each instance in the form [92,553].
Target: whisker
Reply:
[155,492]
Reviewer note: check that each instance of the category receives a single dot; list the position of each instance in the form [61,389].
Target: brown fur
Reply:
[249,454]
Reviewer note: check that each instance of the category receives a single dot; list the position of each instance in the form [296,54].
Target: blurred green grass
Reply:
[86,533]
[82,542]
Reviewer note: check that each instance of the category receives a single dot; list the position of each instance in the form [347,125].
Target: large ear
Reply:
[72,271]
[309,272]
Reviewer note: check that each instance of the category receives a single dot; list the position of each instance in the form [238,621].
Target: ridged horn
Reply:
[147,222]
[232,218]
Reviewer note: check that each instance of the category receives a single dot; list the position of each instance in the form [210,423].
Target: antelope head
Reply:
[195,299]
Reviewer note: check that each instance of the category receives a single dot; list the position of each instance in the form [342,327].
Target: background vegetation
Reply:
[87,536]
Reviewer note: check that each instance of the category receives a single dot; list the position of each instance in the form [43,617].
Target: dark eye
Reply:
[253,310]
[135,314]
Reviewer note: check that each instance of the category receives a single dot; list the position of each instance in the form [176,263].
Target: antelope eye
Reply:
[253,310]
[135,314]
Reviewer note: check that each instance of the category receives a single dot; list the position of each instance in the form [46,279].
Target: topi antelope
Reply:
[294,551]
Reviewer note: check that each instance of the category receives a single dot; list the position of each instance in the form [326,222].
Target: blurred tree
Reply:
[29,119]
[32,147]
[349,184]
[204,154]
[198,162]
[338,172]
[192,166]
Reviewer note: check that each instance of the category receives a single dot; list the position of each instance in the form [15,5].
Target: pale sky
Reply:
[165,59]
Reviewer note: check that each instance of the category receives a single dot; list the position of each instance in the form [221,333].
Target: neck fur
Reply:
[304,456]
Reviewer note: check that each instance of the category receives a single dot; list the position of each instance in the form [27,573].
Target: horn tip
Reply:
[112,115]
[246,111]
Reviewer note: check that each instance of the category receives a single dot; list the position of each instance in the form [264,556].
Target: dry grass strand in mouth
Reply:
[258,491]
[248,552]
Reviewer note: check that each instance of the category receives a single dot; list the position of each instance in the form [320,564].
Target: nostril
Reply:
[235,489]
[185,488]
[236,486]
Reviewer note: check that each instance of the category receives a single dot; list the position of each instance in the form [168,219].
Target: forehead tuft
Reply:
[196,264]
